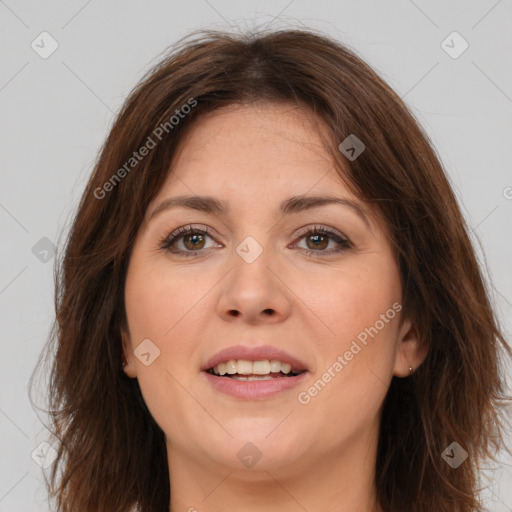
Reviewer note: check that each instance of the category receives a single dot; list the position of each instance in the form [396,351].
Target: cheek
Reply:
[361,308]
[160,307]
[353,298]
[160,299]
[150,306]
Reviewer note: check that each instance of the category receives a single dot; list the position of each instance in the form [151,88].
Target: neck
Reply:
[340,481]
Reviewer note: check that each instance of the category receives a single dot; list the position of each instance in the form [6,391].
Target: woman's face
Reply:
[261,280]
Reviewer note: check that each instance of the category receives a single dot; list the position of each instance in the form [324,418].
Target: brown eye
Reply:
[193,241]
[188,241]
[317,241]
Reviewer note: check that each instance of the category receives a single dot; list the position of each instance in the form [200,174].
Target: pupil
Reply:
[196,240]
[317,238]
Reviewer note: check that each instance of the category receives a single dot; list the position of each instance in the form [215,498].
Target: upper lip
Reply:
[252,353]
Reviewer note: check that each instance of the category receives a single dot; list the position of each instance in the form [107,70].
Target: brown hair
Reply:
[112,454]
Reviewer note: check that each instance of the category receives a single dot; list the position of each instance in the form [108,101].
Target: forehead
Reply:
[256,163]
[257,151]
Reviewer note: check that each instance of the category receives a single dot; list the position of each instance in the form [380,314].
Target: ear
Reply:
[130,368]
[410,353]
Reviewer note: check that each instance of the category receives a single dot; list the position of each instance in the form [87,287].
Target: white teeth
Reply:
[261,367]
[275,366]
[286,368]
[244,367]
[231,367]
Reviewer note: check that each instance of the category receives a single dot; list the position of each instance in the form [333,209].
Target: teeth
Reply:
[261,367]
[231,367]
[275,366]
[286,368]
[244,367]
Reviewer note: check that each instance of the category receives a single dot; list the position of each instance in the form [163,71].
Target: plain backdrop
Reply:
[56,111]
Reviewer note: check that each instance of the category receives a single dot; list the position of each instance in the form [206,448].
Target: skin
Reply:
[318,455]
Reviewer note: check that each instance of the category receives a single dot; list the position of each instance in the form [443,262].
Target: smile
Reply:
[244,370]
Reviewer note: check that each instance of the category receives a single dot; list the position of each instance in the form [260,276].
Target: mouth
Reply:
[244,370]
[253,373]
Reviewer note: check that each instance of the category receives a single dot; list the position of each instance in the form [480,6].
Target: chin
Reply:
[253,449]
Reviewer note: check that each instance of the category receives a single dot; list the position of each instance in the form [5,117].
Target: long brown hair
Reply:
[111,453]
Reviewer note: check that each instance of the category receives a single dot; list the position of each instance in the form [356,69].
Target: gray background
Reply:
[57,111]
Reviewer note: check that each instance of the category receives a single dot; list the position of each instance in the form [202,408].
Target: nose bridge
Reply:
[252,291]
[250,250]
[251,274]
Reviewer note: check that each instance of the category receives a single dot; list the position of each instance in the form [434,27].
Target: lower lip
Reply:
[253,389]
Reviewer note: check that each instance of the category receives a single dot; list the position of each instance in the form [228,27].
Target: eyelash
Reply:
[344,243]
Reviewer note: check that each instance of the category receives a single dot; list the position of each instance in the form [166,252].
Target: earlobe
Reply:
[127,365]
[410,351]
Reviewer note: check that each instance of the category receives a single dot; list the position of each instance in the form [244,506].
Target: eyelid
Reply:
[191,227]
[320,227]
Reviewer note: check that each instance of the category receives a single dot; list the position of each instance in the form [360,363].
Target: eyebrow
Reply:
[293,204]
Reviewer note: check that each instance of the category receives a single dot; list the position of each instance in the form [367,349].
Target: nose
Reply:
[253,293]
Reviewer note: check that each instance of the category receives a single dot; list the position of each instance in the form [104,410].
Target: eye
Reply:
[191,241]
[187,241]
[319,238]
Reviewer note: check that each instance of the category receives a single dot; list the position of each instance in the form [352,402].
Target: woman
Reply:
[269,300]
